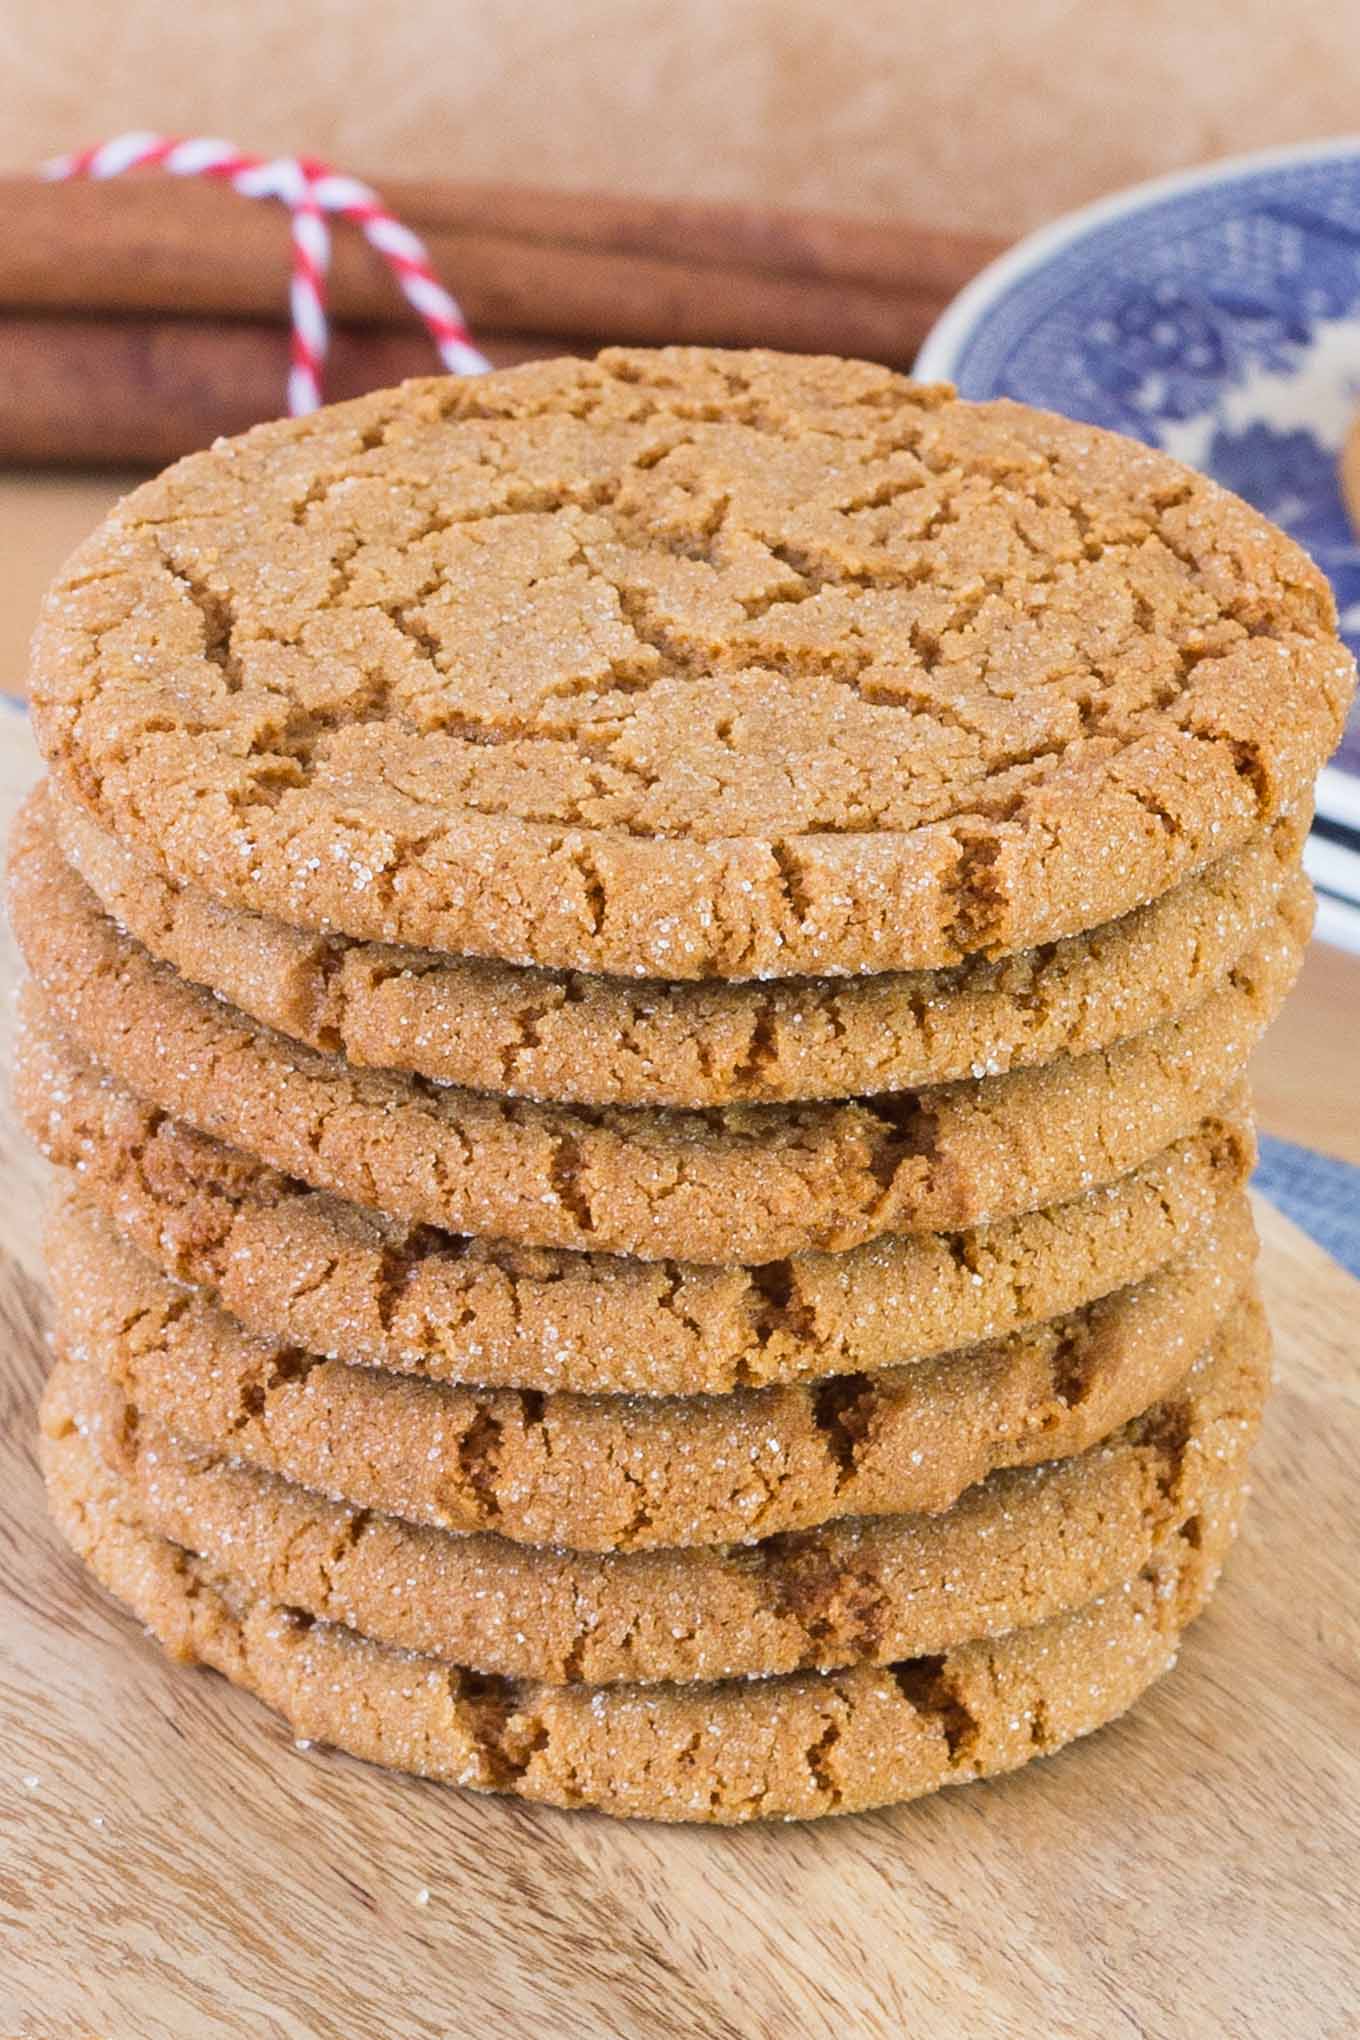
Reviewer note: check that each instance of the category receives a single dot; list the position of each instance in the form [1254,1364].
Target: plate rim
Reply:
[943,345]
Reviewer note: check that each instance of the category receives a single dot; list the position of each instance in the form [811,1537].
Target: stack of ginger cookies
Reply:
[639,976]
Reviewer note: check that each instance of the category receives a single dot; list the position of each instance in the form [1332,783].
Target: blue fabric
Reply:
[1319,1194]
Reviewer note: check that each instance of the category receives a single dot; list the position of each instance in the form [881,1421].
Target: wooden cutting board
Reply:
[173,1868]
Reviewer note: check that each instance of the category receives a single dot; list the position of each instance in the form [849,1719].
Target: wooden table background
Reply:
[172,1868]
[980,114]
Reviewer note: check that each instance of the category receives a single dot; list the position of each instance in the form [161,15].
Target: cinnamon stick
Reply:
[142,391]
[580,266]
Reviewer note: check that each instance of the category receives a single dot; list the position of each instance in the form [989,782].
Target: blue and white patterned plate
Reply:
[1216,315]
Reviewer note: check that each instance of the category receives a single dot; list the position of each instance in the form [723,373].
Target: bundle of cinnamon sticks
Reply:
[139,318]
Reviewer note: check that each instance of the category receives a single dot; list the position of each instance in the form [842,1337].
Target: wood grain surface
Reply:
[171,1865]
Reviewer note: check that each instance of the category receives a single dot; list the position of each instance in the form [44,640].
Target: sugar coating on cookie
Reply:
[735,1184]
[687,663]
[309,1269]
[565,1037]
[792,1747]
[616,1473]
[1018,1548]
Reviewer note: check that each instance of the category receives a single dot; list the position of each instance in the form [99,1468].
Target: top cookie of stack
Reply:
[687,665]
[787,869]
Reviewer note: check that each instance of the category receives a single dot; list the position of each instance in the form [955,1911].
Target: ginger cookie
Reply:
[687,664]
[793,1747]
[310,1270]
[617,1473]
[1020,1548]
[564,1037]
[734,1184]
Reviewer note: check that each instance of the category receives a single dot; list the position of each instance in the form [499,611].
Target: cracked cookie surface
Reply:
[1019,1548]
[311,1270]
[797,1746]
[615,1473]
[565,1037]
[735,1184]
[688,664]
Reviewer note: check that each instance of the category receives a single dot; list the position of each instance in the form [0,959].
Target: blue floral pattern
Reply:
[1220,320]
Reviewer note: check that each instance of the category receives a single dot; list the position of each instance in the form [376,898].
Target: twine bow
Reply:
[311,191]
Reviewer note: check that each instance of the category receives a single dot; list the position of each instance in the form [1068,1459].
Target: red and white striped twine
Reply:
[311,191]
